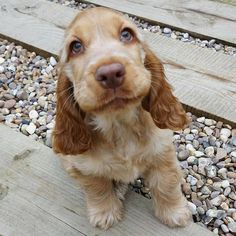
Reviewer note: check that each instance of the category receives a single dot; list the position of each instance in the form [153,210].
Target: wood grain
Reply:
[211,19]
[42,200]
[204,80]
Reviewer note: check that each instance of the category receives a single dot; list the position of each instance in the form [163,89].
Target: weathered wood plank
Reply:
[205,81]
[42,200]
[211,19]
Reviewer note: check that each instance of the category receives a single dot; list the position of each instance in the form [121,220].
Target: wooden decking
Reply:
[204,18]
[38,198]
[203,80]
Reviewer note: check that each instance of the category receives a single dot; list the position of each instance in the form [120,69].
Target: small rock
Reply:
[227,191]
[205,190]
[223,138]
[31,128]
[224,206]
[192,180]
[212,213]
[225,132]
[9,103]
[1,60]
[210,151]
[201,119]
[224,228]
[216,201]
[218,223]
[221,153]
[49,69]
[52,61]
[183,155]
[2,104]
[192,208]
[189,137]
[225,183]
[232,227]
[208,130]
[222,173]
[33,114]
[166,30]
[2,69]
[209,122]
[233,154]
[199,154]
[192,160]
[211,171]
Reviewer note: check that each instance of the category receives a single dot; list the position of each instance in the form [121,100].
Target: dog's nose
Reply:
[110,76]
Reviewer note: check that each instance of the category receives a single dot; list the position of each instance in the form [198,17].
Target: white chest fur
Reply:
[123,148]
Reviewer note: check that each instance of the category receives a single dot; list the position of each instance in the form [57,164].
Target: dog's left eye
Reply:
[126,35]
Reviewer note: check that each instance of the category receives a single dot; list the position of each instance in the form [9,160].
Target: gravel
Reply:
[166,31]
[28,102]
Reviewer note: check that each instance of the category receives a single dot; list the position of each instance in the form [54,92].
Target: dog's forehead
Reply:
[89,21]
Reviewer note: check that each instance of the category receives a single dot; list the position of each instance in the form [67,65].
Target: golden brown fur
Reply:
[107,138]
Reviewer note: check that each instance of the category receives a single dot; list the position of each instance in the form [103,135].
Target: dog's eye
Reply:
[126,35]
[76,47]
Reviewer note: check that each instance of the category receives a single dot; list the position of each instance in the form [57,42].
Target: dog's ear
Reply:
[70,135]
[164,107]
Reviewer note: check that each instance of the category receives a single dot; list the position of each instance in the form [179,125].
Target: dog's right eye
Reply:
[76,47]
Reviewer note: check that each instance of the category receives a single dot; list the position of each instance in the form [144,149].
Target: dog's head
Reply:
[106,67]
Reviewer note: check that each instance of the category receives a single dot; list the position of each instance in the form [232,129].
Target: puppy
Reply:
[115,113]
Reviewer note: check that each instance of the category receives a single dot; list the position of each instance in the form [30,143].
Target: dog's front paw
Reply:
[178,216]
[104,217]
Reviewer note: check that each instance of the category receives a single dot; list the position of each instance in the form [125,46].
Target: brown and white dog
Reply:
[115,113]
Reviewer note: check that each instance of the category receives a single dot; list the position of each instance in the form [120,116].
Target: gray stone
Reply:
[232,227]
[9,103]
[216,201]
[192,208]
[226,132]
[31,128]
[189,137]
[221,153]
[211,171]
[167,30]
[210,151]
[183,155]
[33,114]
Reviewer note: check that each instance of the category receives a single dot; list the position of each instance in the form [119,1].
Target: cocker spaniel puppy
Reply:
[115,113]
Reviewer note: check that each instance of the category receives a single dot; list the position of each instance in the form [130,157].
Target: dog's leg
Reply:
[104,206]
[164,179]
[121,189]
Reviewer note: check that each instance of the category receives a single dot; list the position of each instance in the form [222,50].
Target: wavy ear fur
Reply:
[164,107]
[70,135]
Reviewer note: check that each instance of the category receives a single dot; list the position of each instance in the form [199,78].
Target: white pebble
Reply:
[31,128]
[33,114]
[49,69]
[1,60]
[1,69]
[225,183]
[166,31]
[209,122]
[198,154]
[201,119]
[223,138]
[209,151]
[192,208]
[225,132]
[233,154]
[53,61]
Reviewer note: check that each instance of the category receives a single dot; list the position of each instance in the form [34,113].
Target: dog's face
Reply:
[107,68]
[103,57]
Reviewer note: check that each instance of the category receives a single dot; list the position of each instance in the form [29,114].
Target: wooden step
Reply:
[202,18]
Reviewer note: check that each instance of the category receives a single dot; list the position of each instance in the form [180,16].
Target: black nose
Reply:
[110,76]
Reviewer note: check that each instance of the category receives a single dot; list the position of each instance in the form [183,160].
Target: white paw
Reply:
[178,216]
[104,218]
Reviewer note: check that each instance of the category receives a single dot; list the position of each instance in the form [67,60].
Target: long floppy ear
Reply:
[70,135]
[164,107]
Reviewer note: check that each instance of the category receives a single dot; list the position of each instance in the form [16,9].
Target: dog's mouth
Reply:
[117,103]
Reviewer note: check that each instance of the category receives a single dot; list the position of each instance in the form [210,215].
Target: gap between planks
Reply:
[203,80]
